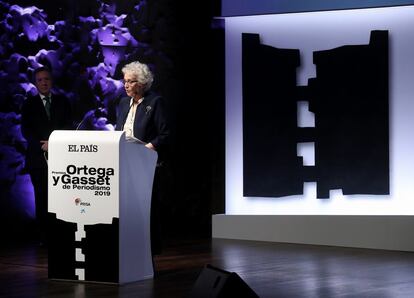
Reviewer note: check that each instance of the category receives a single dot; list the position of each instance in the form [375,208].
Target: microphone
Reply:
[80,123]
[85,117]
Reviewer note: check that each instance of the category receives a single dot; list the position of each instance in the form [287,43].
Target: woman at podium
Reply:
[141,114]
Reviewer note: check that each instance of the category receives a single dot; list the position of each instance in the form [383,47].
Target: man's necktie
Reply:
[47,105]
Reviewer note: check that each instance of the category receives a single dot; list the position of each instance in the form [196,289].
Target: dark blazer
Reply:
[150,125]
[37,127]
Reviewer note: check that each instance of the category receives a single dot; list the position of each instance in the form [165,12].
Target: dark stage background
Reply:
[86,43]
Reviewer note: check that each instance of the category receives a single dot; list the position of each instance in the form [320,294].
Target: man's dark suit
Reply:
[150,126]
[36,127]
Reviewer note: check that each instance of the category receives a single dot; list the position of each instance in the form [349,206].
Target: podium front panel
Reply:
[84,205]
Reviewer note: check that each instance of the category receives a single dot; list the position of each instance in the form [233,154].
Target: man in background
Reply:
[41,115]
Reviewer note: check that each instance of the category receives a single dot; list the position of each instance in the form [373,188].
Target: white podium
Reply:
[100,188]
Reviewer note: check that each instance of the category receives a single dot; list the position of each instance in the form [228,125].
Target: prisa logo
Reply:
[78,202]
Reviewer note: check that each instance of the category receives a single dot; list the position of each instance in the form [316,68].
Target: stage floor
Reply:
[270,269]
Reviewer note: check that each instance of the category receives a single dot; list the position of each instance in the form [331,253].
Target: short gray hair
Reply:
[141,71]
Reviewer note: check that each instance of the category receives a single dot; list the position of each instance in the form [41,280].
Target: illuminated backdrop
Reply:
[312,32]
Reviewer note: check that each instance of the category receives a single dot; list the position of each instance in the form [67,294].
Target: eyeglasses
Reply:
[129,82]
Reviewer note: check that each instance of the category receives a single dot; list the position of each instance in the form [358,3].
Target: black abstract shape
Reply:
[271,167]
[349,97]
[61,250]
[350,101]
[101,249]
